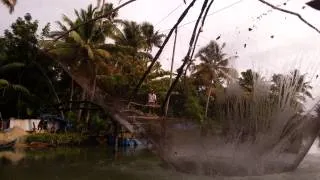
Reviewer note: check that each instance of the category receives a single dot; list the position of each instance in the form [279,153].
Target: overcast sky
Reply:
[294,44]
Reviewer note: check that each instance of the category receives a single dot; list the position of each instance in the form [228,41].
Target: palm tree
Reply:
[134,43]
[249,79]
[85,43]
[131,37]
[5,85]
[302,87]
[213,67]
[138,39]
[293,88]
[10,4]
[84,46]
[151,37]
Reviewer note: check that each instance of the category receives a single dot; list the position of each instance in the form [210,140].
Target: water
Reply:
[100,163]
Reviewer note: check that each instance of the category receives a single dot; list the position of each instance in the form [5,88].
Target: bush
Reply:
[57,139]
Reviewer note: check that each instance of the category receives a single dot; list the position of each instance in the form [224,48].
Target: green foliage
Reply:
[57,139]
[54,153]
[214,65]
[98,124]
[193,109]
[32,75]
[71,116]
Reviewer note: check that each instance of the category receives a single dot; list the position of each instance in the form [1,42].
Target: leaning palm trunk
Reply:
[83,98]
[94,84]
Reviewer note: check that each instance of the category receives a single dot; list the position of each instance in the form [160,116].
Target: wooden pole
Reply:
[2,122]
[155,58]
[172,61]
[116,132]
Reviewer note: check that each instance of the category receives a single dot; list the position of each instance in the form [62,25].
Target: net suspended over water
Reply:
[260,132]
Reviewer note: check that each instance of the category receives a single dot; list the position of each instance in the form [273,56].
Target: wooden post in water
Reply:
[115,134]
[2,122]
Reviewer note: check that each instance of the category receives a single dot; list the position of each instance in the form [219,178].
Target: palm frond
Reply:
[20,88]
[90,52]
[77,38]
[11,66]
[77,14]
[67,20]
[4,83]
[102,53]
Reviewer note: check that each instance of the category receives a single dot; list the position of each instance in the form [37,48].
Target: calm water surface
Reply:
[100,163]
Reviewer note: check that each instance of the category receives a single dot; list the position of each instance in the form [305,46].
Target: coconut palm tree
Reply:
[293,85]
[302,87]
[138,39]
[214,67]
[249,79]
[85,43]
[152,38]
[134,43]
[83,49]
[5,85]
[131,37]
[10,4]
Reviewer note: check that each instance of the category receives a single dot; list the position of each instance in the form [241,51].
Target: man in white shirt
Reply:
[152,99]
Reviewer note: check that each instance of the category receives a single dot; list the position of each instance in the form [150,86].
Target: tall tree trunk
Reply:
[83,98]
[71,95]
[192,44]
[94,84]
[171,69]
[155,58]
[208,100]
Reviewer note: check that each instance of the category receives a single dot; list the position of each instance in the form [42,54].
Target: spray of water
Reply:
[263,130]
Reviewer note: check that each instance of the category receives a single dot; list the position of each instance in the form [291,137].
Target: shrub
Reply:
[57,139]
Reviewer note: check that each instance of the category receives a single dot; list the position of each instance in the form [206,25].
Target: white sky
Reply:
[294,44]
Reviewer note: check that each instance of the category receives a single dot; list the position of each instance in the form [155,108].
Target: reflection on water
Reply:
[13,156]
[101,163]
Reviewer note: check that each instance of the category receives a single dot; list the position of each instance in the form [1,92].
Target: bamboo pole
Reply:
[172,61]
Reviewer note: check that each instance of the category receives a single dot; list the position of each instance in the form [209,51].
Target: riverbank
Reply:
[61,139]
[13,134]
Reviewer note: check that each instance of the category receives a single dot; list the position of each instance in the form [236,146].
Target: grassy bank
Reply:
[63,139]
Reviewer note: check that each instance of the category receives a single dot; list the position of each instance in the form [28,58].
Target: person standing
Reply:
[152,99]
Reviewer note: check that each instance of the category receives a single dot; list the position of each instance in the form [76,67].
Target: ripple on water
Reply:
[99,164]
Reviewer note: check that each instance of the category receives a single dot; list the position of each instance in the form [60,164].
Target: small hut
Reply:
[25,124]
